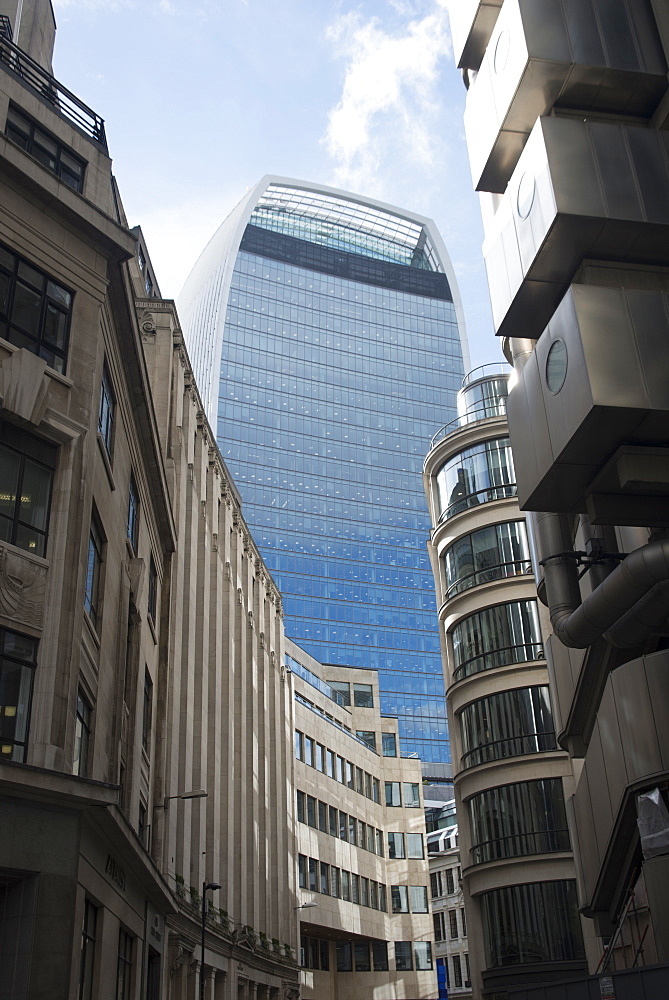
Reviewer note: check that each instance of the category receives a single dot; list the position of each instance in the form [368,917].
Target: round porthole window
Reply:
[501,51]
[556,366]
[525,196]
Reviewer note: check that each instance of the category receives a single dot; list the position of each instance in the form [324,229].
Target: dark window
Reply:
[133,514]
[380,956]
[376,794]
[341,691]
[361,949]
[325,879]
[320,757]
[496,636]
[362,696]
[439,930]
[388,745]
[478,475]
[300,807]
[367,737]
[453,923]
[51,153]
[383,904]
[396,845]
[322,817]
[143,829]
[403,956]
[536,922]
[93,589]
[492,553]
[26,477]
[34,310]
[343,826]
[313,874]
[17,668]
[399,898]
[359,781]
[87,966]
[107,410]
[311,811]
[517,820]
[333,821]
[335,882]
[82,733]
[450,882]
[124,966]
[463,919]
[344,956]
[507,724]
[309,751]
[147,711]
[153,590]
[457,972]
[345,885]
[302,871]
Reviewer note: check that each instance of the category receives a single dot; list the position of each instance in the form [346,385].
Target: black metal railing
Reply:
[62,100]
[520,844]
[514,746]
[502,492]
[500,656]
[500,571]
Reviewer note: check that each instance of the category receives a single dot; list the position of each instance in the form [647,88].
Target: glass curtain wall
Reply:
[528,924]
[496,636]
[476,475]
[507,724]
[520,819]
[491,553]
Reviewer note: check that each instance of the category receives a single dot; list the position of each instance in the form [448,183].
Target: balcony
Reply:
[20,65]
[580,190]
[483,395]
[472,23]
[588,417]
[554,54]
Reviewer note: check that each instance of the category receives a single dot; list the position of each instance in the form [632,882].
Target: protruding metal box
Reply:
[472,23]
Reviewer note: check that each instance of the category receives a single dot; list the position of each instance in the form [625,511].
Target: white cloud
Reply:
[389,105]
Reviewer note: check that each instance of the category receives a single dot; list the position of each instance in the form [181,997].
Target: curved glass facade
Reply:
[507,724]
[512,821]
[340,353]
[476,475]
[495,637]
[482,399]
[528,924]
[492,553]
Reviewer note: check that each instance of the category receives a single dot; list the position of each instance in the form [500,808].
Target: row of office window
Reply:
[444,882]
[125,960]
[507,724]
[364,955]
[447,927]
[338,824]
[318,756]
[461,974]
[476,475]
[317,876]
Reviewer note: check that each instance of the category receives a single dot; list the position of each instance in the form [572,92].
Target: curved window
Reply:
[526,924]
[496,636]
[486,398]
[477,475]
[516,820]
[507,724]
[492,553]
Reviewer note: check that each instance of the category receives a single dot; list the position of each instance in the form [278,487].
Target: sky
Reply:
[202,98]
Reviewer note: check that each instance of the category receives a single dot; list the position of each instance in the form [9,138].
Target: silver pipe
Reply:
[647,616]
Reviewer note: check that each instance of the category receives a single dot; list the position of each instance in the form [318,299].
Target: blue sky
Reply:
[203,97]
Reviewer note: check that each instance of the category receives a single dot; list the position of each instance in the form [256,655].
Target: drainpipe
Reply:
[628,604]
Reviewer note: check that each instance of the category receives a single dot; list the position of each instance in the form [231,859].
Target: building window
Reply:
[423,954]
[299,745]
[311,811]
[439,927]
[362,696]
[520,819]
[361,951]
[35,311]
[453,923]
[346,885]
[300,807]
[415,845]
[411,795]
[463,921]
[340,769]
[344,956]
[313,875]
[418,895]
[320,757]
[536,922]
[492,553]
[107,410]
[52,154]
[477,475]
[450,883]
[403,956]
[325,879]
[380,956]
[17,669]
[124,966]
[457,972]
[143,828]
[322,817]
[153,590]
[352,830]
[388,745]
[399,898]
[335,882]
[359,781]
[147,712]
[393,794]
[133,514]
[93,589]
[309,751]
[82,734]
[329,763]
[341,691]
[350,775]
[343,826]
[26,476]
[333,821]
[368,784]
[395,845]
[507,724]
[495,637]
[302,871]
[87,966]
[379,843]
[435,885]
[367,737]
[376,790]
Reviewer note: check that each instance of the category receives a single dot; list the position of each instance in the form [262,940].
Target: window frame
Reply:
[93,582]
[27,665]
[107,410]
[82,734]
[29,452]
[60,169]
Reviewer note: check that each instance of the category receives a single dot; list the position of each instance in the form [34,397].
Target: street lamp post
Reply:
[205,887]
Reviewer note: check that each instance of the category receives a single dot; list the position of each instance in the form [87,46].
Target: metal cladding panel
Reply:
[613,393]
[575,56]
[565,202]
[472,23]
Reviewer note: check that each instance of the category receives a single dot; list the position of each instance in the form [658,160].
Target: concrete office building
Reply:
[363,883]
[511,777]
[566,119]
[327,337]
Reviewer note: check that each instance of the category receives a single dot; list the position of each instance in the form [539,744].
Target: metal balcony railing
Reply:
[62,100]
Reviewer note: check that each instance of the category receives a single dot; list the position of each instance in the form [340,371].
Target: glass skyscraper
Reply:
[326,336]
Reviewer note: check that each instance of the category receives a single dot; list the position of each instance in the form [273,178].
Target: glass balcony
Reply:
[483,395]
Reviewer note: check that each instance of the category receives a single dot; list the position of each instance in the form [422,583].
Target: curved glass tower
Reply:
[327,339]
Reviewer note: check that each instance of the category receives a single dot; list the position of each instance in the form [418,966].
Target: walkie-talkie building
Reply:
[327,339]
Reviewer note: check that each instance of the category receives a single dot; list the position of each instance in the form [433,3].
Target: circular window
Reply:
[525,196]
[556,366]
[501,51]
